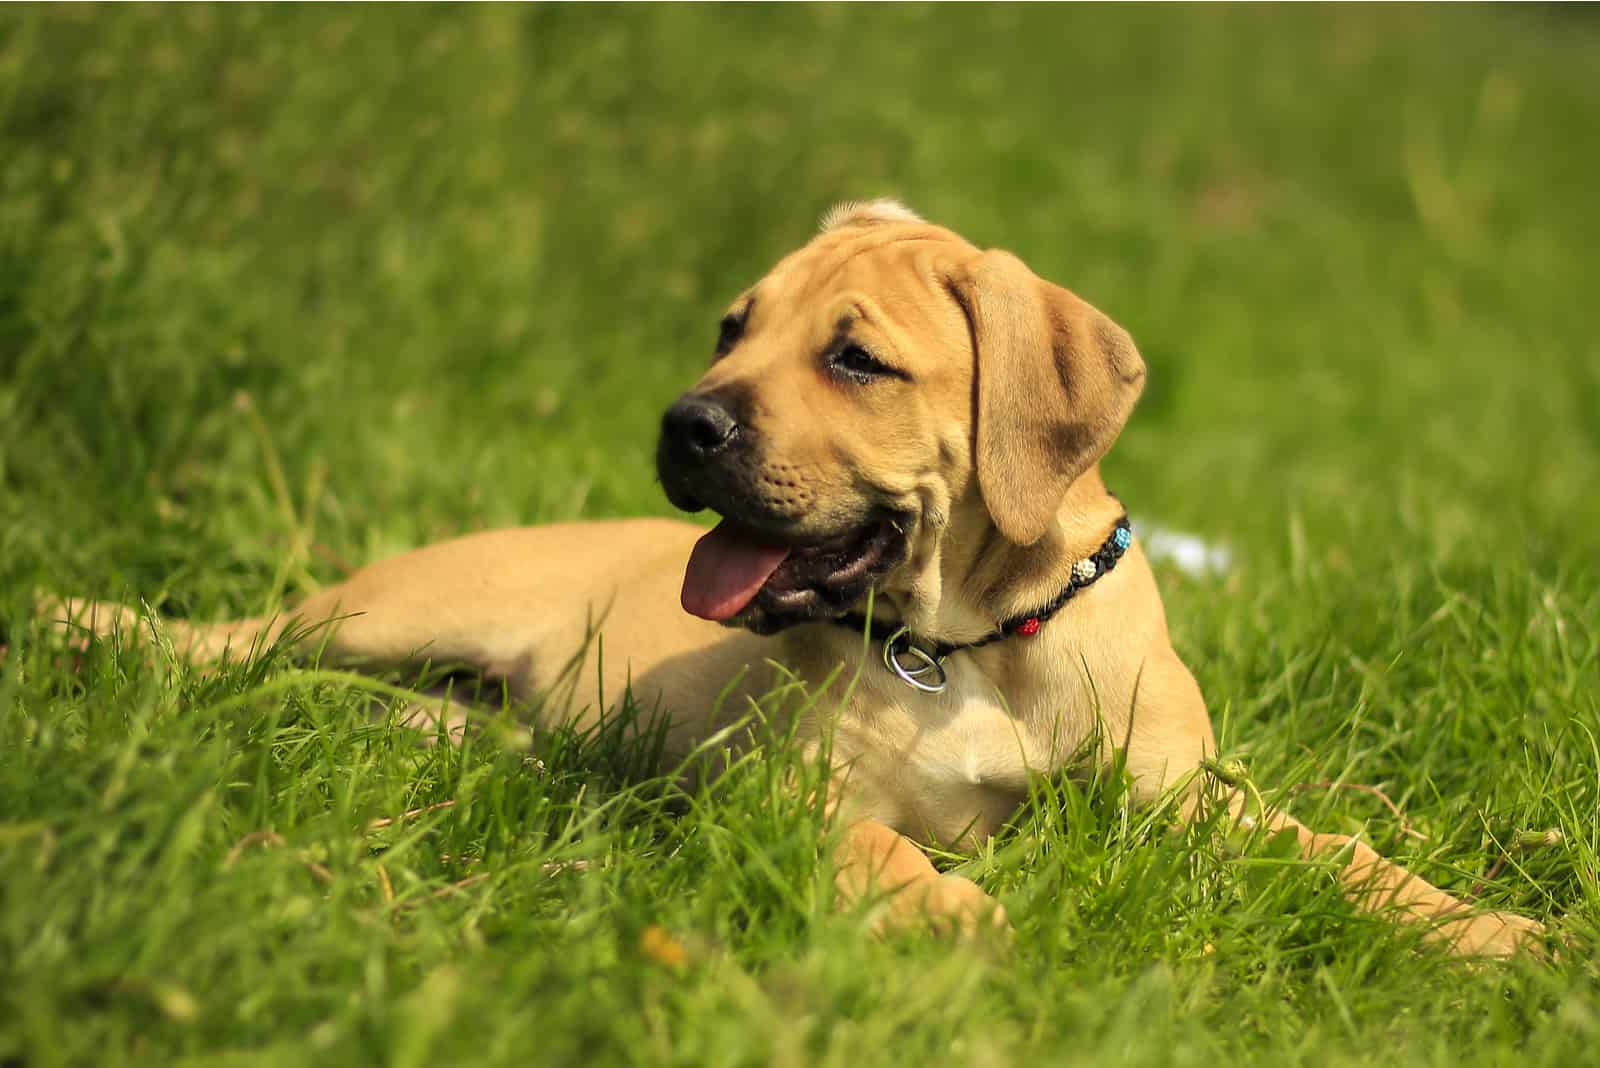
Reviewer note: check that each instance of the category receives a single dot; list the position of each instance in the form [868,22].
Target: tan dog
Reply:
[890,410]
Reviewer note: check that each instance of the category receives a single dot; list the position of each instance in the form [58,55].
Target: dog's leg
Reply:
[201,642]
[1169,737]
[873,858]
[1380,885]
[380,617]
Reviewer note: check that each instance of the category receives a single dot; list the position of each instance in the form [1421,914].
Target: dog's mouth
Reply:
[739,576]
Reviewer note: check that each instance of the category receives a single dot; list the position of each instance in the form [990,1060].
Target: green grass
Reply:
[285,287]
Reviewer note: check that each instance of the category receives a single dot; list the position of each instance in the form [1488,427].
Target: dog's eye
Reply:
[855,362]
[729,332]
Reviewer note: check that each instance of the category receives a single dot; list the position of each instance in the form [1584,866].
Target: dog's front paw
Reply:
[946,904]
[1492,934]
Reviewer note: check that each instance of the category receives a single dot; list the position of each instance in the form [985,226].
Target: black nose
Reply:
[698,426]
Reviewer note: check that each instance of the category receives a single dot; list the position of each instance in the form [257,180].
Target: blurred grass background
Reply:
[287,287]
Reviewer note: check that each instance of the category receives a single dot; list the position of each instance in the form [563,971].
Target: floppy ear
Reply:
[1056,381]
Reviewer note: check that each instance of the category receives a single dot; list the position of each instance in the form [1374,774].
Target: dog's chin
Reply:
[822,580]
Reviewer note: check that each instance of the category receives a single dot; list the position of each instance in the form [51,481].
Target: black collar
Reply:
[899,641]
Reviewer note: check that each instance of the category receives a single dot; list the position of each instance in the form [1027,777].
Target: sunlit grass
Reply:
[283,290]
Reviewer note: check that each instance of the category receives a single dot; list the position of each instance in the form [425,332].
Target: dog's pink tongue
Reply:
[725,571]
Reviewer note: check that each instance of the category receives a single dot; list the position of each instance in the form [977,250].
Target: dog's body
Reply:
[892,412]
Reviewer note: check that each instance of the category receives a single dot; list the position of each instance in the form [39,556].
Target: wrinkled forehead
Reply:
[886,263]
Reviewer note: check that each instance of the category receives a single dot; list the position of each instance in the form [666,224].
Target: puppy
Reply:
[901,433]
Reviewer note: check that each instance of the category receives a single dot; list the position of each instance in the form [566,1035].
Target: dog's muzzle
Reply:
[761,568]
[699,451]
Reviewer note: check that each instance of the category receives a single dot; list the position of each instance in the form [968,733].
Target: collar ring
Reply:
[898,647]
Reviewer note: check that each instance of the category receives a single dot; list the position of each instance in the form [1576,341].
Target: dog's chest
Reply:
[952,766]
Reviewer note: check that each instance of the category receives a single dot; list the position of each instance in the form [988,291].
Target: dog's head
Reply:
[878,382]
